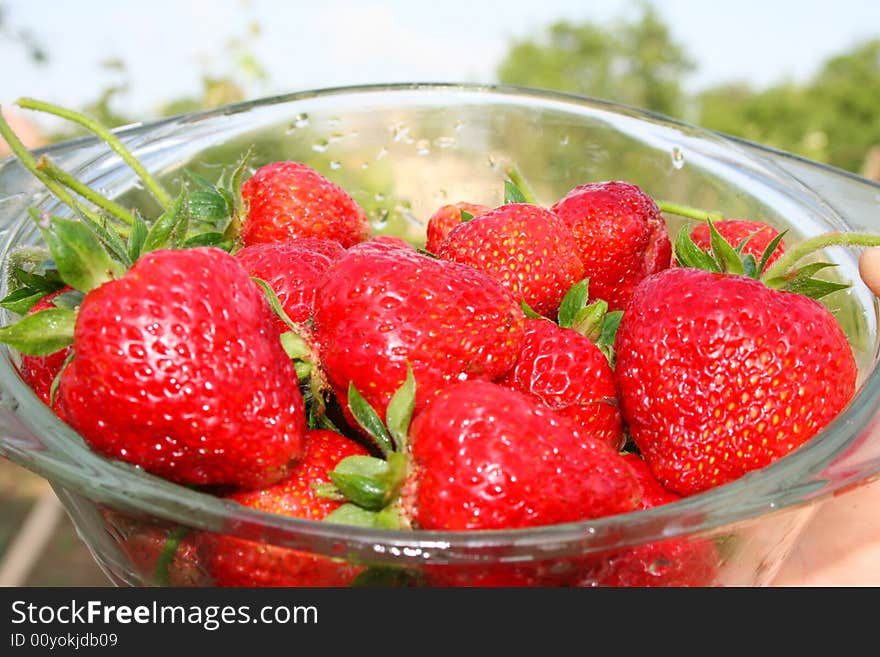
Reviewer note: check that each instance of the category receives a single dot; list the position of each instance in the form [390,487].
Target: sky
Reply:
[167,45]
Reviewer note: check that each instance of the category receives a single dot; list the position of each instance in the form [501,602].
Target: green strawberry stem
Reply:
[28,162]
[160,574]
[163,197]
[74,185]
[519,180]
[788,259]
[301,351]
[669,207]
[689,212]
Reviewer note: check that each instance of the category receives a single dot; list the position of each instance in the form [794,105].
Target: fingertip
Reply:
[869,268]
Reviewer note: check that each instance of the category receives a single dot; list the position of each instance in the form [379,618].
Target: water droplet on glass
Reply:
[335,137]
[459,126]
[564,141]
[404,209]
[445,142]
[365,166]
[400,133]
[677,158]
[382,153]
[301,120]
[423,147]
[657,567]
[380,218]
[335,164]
[379,196]
[320,146]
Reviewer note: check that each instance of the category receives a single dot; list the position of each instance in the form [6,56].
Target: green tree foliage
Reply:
[777,116]
[846,95]
[634,62]
[833,118]
[23,37]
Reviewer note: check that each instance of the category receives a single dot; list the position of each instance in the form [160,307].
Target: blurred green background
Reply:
[638,57]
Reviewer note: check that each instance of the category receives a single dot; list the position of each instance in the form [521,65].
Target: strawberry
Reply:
[448,217]
[149,550]
[487,457]
[39,372]
[524,247]
[159,554]
[756,235]
[719,375]
[383,305]
[620,234]
[653,492]
[292,269]
[483,456]
[234,561]
[290,199]
[674,562]
[178,368]
[569,374]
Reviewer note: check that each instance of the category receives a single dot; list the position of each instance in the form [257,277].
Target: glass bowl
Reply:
[402,151]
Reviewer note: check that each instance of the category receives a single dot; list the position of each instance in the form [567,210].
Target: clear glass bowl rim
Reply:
[796,480]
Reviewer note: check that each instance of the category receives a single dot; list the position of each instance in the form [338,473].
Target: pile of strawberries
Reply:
[531,365]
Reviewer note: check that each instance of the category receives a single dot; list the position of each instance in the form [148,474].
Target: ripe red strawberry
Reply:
[568,373]
[159,554]
[234,561]
[290,199]
[146,551]
[653,492]
[383,306]
[620,234]
[178,369]
[719,375]
[758,234]
[446,218]
[292,269]
[674,562]
[487,457]
[39,372]
[524,247]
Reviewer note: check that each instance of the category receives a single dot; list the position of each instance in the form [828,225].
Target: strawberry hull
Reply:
[39,372]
